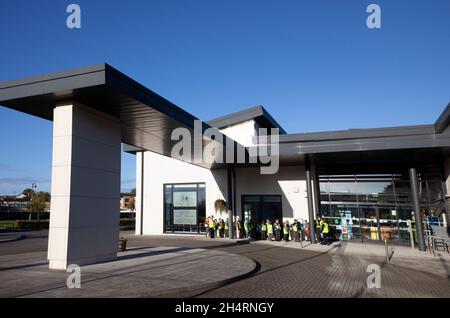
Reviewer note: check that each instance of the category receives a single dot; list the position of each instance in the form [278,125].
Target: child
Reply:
[269,230]
[286,231]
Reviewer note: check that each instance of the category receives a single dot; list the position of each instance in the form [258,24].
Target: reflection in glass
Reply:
[184,208]
[379,204]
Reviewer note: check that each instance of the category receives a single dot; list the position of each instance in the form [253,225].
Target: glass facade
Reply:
[262,207]
[375,206]
[184,208]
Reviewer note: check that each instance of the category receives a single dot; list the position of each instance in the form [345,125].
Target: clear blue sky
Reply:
[313,64]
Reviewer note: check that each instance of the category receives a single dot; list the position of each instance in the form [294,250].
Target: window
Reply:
[184,208]
[374,206]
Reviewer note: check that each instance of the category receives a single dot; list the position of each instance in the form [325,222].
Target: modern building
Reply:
[370,183]
[360,181]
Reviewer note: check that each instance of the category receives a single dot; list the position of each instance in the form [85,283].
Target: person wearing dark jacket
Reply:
[277,229]
[286,231]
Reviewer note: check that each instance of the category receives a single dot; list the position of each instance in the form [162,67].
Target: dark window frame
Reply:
[262,202]
[198,225]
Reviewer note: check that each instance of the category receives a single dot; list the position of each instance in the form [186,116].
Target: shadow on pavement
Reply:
[257,272]
[22,266]
[445,265]
[150,253]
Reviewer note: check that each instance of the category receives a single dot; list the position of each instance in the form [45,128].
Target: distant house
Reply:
[127,202]
[15,203]
[19,203]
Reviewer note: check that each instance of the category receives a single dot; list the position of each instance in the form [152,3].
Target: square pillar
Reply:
[309,191]
[416,206]
[139,203]
[85,205]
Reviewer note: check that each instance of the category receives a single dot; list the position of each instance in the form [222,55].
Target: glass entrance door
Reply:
[262,207]
[372,207]
[369,223]
[345,221]
[388,223]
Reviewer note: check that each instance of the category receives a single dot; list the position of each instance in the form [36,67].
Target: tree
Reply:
[28,192]
[37,202]
[133,192]
[132,204]
[46,196]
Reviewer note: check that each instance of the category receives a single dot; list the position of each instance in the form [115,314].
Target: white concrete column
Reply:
[139,195]
[84,218]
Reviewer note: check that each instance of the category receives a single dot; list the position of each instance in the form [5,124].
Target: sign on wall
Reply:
[185,198]
[188,217]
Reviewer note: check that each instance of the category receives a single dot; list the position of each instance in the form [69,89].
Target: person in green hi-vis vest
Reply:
[246,231]
[226,228]
[263,230]
[269,230]
[212,227]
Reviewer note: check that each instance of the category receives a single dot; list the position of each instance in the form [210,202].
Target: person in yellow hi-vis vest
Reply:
[227,232]
[319,223]
[325,231]
[296,231]
[212,227]
[263,230]
[269,230]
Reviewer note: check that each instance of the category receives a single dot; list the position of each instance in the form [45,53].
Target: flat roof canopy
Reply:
[147,119]
[390,144]
[257,113]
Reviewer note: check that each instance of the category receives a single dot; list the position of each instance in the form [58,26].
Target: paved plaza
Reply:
[193,266]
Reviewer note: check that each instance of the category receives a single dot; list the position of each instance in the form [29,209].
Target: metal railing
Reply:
[434,241]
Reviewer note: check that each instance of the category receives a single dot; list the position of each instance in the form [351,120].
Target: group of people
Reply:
[273,231]
[297,231]
[216,228]
[322,231]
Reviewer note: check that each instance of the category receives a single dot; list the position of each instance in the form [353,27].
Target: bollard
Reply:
[411,235]
[386,248]
[122,244]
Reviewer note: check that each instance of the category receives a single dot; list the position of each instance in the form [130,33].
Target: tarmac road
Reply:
[286,272]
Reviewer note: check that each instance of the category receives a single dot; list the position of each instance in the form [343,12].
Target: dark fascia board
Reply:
[101,87]
[67,82]
[132,149]
[258,113]
[86,77]
[62,82]
[53,76]
[291,151]
[443,120]
[359,133]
